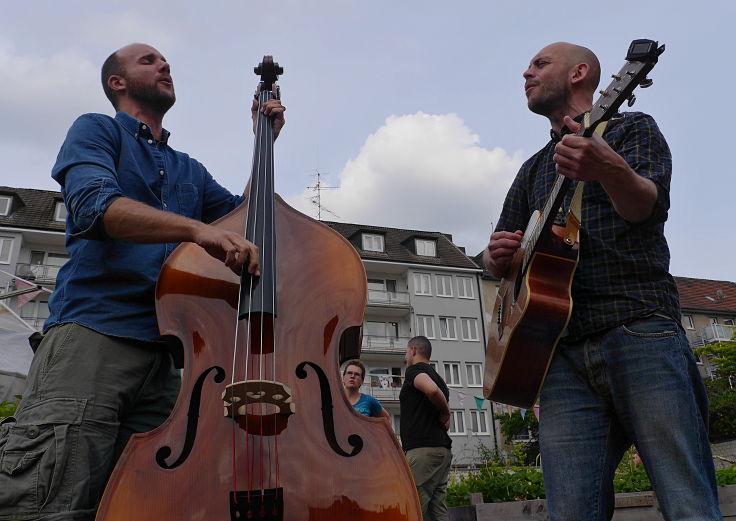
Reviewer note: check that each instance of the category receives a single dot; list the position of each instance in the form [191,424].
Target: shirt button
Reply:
[150,141]
[32,432]
[143,127]
[165,205]
[161,172]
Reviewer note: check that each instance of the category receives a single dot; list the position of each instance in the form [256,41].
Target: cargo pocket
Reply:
[36,453]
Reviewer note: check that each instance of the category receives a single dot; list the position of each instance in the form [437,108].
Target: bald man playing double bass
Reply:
[102,372]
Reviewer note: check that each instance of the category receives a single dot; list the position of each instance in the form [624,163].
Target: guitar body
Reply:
[527,326]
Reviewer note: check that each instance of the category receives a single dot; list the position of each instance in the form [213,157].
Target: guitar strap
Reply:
[576,205]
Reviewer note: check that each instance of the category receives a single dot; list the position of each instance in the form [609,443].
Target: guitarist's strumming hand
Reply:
[591,159]
[500,250]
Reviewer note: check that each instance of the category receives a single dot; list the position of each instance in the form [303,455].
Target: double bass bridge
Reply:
[260,407]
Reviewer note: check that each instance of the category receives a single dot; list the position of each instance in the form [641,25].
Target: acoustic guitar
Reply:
[533,305]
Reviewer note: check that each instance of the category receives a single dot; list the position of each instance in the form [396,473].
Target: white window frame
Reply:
[454,369]
[5,208]
[423,330]
[475,417]
[426,247]
[472,335]
[368,239]
[687,322]
[3,241]
[454,415]
[713,321]
[728,322]
[448,328]
[474,374]
[60,212]
[444,285]
[433,365]
[465,287]
[419,284]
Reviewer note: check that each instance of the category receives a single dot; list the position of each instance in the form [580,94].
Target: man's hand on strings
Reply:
[231,248]
[587,158]
[500,250]
[274,110]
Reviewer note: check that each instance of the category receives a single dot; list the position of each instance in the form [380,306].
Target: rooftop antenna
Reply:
[316,199]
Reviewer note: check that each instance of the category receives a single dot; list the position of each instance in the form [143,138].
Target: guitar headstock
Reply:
[640,59]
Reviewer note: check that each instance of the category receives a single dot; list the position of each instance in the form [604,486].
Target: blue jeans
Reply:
[637,383]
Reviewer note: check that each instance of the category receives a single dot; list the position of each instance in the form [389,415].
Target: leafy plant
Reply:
[8,408]
[722,396]
[513,425]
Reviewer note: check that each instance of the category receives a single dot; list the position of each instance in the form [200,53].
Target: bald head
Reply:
[574,55]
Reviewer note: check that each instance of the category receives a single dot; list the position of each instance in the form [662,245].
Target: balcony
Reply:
[39,273]
[382,388]
[714,333]
[384,344]
[388,298]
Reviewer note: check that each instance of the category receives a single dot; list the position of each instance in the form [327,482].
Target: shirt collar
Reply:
[564,130]
[137,128]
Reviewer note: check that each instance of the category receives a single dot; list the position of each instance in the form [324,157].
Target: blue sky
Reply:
[414,110]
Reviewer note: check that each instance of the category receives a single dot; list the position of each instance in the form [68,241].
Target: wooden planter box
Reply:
[634,506]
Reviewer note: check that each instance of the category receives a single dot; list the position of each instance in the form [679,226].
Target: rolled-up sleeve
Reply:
[86,170]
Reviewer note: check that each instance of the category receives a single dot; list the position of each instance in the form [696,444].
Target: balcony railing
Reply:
[384,344]
[37,272]
[388,298]
[383,388]
[715,333]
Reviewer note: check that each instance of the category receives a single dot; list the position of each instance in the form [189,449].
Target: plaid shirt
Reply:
[623,270]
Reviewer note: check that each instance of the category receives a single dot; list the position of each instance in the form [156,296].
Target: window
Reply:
[425,325]
[444,286]
[469,327]
[457,422]
[728,322]
[381,290]
[465,287]
[433,365]
[452,373]
[382,329]
[60,212]
[5,201]
[474,373]
[422,284]
[6,246]
[372,242]
[447,328]
[687,322]
[426,248]
[713,320]
[479,422]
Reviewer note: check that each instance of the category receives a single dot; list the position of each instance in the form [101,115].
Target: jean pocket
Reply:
[651,327]
[35,452]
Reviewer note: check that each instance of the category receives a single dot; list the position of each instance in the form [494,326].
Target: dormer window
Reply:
[426,247]
[373,242]
[5,202]
[60,212]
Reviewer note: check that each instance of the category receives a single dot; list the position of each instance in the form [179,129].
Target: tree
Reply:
[721,393]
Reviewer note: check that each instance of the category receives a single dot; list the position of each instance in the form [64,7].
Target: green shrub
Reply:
[498,480]
[8,408]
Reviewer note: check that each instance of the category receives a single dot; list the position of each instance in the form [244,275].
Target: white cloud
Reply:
[426,172]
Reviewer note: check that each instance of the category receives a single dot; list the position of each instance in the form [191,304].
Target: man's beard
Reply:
[151,96]
[555,97]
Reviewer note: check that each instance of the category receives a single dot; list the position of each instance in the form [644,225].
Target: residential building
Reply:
[31,245]
[708,313]
[420,283]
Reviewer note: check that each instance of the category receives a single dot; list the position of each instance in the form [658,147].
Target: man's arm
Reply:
[132,221]
[592,159]
[426,385]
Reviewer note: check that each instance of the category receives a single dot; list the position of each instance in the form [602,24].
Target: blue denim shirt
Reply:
[108,284]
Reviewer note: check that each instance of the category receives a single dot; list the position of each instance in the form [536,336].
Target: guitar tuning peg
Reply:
[646,83]
[631,100]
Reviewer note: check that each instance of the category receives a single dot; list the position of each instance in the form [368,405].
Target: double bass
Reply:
[262,429]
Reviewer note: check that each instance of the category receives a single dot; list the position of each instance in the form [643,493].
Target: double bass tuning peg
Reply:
[631,100]
[646,83]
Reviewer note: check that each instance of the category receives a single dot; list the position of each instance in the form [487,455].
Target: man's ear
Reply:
[116,83]
[579,73]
